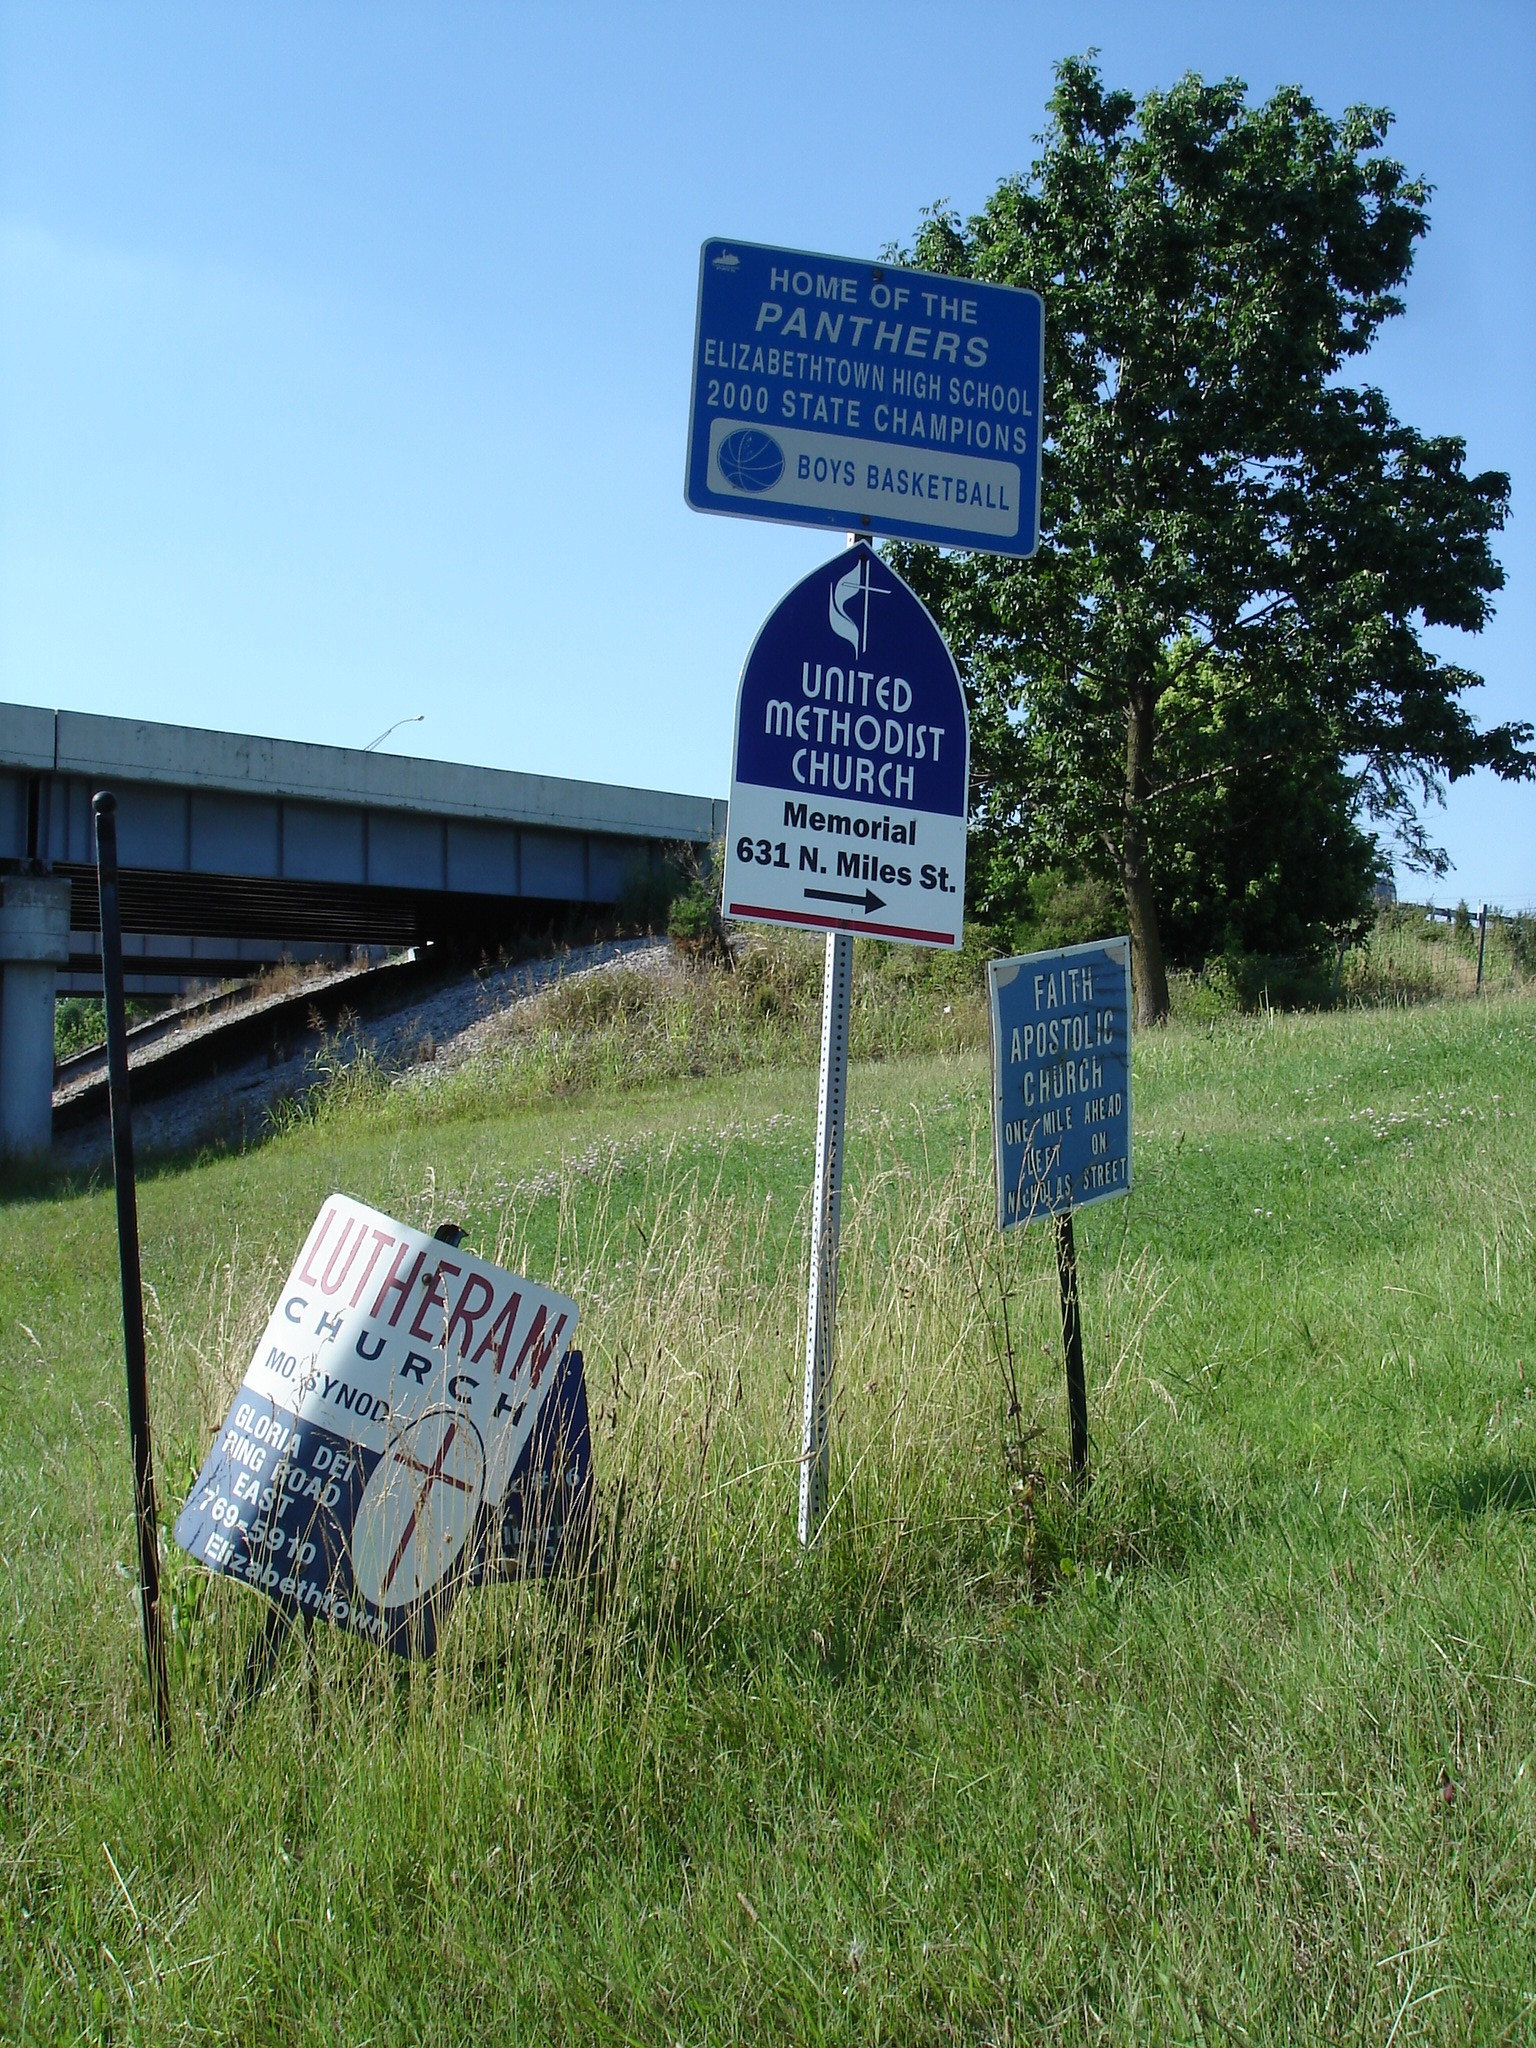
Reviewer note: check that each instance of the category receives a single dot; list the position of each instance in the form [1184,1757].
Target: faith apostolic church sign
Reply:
[848,788]
[866,396]
[1061,1079]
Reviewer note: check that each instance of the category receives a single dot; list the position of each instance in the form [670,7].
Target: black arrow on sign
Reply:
[867,902]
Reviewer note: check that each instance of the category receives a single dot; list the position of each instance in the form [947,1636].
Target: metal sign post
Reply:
[826,1204]
[828,391]
[1072,1345]
[104,810]
[847,815]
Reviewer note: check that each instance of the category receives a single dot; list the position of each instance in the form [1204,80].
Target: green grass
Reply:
[1242,1747]
[630,1029]
[1409,960]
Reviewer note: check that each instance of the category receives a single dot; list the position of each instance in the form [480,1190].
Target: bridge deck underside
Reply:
[321,913]
[228,866]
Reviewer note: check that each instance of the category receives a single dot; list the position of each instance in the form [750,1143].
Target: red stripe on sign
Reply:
[840,924]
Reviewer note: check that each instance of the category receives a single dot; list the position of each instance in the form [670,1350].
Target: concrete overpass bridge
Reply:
[237,851]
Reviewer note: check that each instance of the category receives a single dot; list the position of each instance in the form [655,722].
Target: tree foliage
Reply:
[1258,850]
[1222,634]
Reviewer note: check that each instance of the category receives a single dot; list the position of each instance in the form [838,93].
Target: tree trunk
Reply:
[1149,976]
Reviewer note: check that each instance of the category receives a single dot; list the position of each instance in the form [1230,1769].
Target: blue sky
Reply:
[344,348]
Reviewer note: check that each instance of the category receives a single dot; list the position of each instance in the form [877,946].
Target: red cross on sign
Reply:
[418,1509]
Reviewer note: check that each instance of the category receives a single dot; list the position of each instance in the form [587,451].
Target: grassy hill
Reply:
[1241,1747]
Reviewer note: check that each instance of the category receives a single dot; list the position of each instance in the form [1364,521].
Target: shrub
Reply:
[80,1022]
[694,919]
[1520,937]
[695,922]
[1236,984]
[1068,910]
[649,890]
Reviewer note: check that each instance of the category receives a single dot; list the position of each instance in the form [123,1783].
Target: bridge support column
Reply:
[34,945]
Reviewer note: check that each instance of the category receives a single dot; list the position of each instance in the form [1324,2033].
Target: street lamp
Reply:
[415,719]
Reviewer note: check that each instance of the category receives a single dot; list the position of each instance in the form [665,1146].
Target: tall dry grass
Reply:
[948,1373]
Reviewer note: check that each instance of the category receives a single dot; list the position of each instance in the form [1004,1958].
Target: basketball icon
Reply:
[750,460]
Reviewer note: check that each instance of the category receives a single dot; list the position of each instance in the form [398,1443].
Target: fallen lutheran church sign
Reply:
[401,1391]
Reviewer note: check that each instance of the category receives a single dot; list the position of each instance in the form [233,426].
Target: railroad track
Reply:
[205,1037]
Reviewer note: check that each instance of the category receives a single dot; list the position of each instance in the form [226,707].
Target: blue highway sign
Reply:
[849,786]
[837,393]
[1061,1079]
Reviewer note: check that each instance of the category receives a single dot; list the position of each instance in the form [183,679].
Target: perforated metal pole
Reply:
[826,1202]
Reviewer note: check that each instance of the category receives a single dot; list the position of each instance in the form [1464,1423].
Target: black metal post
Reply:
[104,810]
[1338,967]
[1072,1345]
[1482,940]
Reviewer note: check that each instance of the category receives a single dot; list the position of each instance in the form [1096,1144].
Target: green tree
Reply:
[1256,845]
[1216,497]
